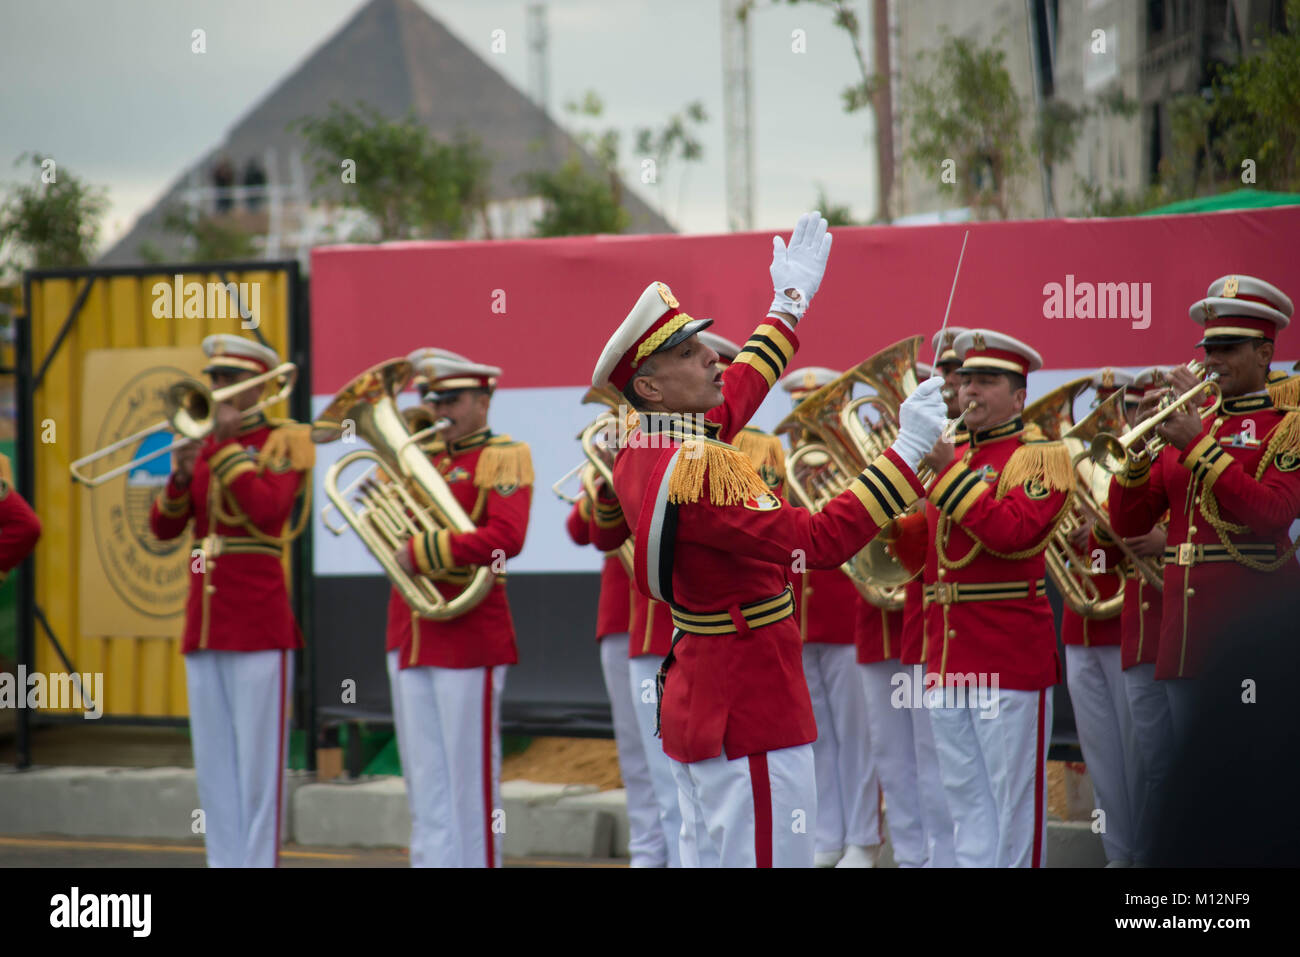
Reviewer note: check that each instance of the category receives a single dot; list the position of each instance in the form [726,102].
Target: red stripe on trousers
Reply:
[762,788]
[1039,769]
[487,765]
[279,764]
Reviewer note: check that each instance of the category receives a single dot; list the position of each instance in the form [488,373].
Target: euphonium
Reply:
[402,494]
[831,443]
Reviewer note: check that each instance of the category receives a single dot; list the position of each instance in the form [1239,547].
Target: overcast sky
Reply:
[111,89]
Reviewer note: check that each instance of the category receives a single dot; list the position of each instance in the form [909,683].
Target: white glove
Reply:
[797,271]
[921,420]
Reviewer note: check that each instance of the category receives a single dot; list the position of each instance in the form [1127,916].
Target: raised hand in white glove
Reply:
[921,420]
[797,270]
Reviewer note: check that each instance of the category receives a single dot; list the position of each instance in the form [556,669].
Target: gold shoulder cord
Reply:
[237,516]
[1223,528]
[943,527]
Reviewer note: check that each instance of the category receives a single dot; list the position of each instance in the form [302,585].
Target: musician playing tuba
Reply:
[452,671]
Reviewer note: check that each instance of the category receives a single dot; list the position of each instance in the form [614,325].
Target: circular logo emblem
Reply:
[150,575]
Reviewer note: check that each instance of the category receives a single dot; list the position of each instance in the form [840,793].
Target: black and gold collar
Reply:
[467,443]
[254,423]
[1241,404]
[678,427]
[1005,430]
[961,436]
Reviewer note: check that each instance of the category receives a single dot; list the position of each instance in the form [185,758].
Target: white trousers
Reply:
[893,755]
[1153,731]
[239,729]
[1095,677]
[848,790]
[935,816]
[451,726]
[641,678]
[647,846]
[993,759]
[755,811]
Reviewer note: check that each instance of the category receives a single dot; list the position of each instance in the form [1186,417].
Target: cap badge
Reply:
[1108,379]
[1230,287]
[666,295]
[1209,312]
[948,339]
[809,380]
[979,341]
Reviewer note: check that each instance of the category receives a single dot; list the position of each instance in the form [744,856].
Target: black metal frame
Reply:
[299,319]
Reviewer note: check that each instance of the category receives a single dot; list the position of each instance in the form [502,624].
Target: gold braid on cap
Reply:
[659,337]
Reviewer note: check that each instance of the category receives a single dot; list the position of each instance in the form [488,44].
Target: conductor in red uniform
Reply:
[716,545]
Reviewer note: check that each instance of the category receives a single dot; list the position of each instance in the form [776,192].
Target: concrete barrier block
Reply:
[613,803]
[371,812]
[1073,844]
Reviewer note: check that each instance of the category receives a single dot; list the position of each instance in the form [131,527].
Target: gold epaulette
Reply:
[289,446]
[1285,438]
[1285,392]
[1032,433]
[765,451]
[504,463]
[1048,463]
[733,480]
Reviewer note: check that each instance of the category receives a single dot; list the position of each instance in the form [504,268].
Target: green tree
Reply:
[215,238]
[967,111]
[833,214]
[577,201]
[410,183]
[50,222]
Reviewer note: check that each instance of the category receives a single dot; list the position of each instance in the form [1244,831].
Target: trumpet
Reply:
[1113,453]
[401,494]
[190,406]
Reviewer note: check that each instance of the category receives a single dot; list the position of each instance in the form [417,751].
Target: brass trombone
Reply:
[190,406]
[1113,453]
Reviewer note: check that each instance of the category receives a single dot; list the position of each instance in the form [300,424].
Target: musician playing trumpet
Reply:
[1230,481]
[238,487]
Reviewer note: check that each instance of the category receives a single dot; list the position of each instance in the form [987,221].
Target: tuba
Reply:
[401,494]
[595,465]
[832,441]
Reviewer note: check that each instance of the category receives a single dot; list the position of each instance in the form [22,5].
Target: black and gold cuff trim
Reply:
[433,552]
[957,490]
[768,351]
[1136,471]
[883,490]
[607,516]
[230,463]
[174,507]
[1207,460]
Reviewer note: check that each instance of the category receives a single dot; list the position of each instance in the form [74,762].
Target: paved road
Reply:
[57,851]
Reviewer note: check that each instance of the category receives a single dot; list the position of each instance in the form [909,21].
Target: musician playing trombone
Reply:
[238,486]
[1229,478]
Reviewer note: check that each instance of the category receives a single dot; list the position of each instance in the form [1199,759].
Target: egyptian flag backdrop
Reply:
[1084,293]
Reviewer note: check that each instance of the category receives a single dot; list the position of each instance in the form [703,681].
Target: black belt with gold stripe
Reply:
[216,545]
[1190,554]
[951,593]
[755,613]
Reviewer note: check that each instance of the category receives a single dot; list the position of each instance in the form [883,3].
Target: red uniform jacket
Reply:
[614,612]
[1243,469]
[912,650]
[1140,627]
[19,529]
[238,600]
[989,516]
[491,477]
[744,692]
[826,604]
[1097,632]
[877,632]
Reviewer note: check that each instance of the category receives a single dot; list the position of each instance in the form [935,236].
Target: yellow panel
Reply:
[142,675]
